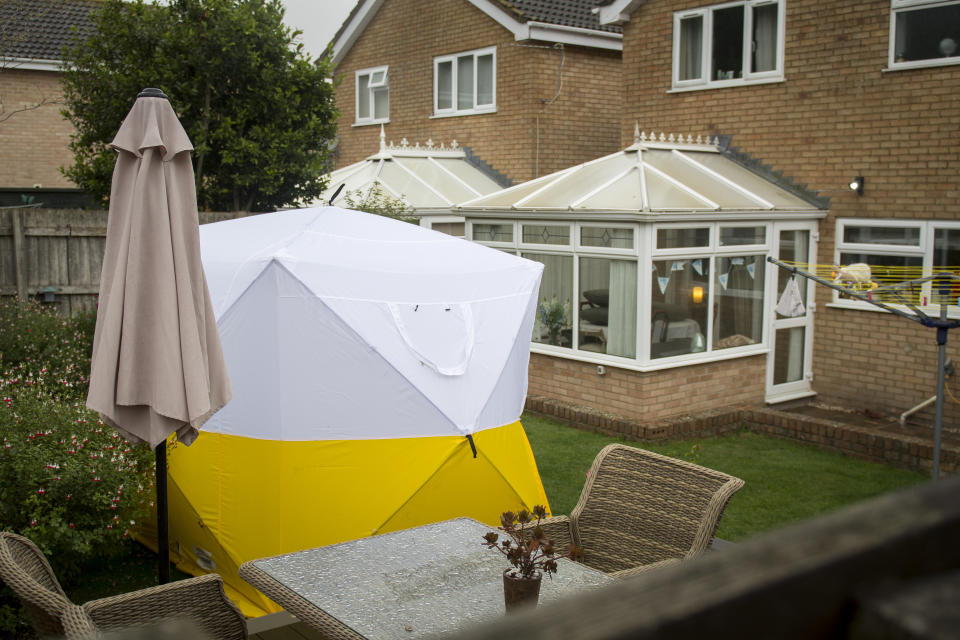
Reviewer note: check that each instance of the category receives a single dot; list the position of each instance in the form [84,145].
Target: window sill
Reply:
[922,64]
[652,365]
[463,113]
[727,84]
[953,311]
[370,123]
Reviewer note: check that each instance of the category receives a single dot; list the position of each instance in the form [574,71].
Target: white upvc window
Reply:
[728,44]
[924,33]
[642,296]
[465,83]
[373,96]
[898,251]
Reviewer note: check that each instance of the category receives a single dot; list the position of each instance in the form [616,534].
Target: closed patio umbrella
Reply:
[157,366]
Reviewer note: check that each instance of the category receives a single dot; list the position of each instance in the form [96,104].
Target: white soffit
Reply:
[657,174]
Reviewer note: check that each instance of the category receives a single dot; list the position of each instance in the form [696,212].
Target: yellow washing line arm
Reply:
[877,294]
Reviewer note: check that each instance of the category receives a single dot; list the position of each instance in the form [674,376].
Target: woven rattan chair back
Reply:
[26,571]
[638,508]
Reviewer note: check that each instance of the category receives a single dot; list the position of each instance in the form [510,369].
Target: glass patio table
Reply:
[428,580]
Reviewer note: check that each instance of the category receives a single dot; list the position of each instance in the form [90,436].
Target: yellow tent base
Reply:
[234,499]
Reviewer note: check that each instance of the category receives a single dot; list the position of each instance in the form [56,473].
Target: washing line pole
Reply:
[942,325]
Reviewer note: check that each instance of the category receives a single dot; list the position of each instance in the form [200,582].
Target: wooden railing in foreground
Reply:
[886,568]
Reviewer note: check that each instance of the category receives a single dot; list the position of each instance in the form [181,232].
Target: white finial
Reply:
[383,140]
[403,143]
[454,145]
[663,138]
[636,133]
[671,138]
[699,139]
[429,143]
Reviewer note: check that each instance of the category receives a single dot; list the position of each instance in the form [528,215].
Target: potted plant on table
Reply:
[530,552]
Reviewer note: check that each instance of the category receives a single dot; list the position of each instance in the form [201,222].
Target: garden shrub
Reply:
[68,482]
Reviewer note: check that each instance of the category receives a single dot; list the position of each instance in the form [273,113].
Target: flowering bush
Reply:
[67,482]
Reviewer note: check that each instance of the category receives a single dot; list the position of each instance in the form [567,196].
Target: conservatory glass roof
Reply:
[655,174]
[428,178]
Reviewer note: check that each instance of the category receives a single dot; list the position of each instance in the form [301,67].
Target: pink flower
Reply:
[41,491]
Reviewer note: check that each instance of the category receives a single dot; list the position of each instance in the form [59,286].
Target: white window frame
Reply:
[534,246]
[706,14]
[371,87]
[580,248]
[452,59]
[899,6]
[924,250]
[497,244]
[644,252]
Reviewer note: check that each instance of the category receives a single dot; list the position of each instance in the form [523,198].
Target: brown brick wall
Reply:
[836,116]
[33,144]
[581,125]
[649,396]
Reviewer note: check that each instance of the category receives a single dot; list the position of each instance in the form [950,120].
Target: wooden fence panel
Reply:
[58,251]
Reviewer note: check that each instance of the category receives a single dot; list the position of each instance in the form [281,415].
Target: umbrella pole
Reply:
[163,542]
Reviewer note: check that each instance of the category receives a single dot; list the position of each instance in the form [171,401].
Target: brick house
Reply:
[537,83]
[33,134]
[828,91]
[824,92]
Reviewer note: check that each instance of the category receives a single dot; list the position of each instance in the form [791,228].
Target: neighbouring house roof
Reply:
[568,13]
[429,178]
[559,21]
[36,31]
[656,175]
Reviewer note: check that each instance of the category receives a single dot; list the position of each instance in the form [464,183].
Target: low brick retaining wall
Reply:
[900,450]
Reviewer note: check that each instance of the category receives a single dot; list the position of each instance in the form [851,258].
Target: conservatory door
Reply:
[789,366]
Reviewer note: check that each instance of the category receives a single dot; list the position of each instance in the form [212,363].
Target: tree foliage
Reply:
[377,200]
[259,113]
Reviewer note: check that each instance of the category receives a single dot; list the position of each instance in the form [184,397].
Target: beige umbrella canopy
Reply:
[157,366]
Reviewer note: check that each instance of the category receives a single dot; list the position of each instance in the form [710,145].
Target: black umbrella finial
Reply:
[151,92]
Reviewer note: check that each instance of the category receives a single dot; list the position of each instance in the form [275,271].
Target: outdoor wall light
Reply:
[857,185]
[697,294]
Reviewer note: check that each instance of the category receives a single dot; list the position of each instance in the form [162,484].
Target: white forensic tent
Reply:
[379,370]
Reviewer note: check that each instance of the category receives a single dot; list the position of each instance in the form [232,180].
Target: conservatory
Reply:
[424,179]
[654,257]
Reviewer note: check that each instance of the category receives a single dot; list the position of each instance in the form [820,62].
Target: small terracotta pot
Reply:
[518,592]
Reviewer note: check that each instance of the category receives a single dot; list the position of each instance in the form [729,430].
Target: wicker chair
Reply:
[640,510]
[202,601]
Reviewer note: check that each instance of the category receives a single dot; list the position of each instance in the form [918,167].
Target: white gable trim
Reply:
[358,22]
[520,30]
[618,11]
[29,64]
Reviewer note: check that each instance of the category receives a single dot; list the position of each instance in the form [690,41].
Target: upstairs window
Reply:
[924,33]
[728,44]
[373,96]
[465,83]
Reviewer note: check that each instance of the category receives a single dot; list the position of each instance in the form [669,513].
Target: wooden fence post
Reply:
[16,228]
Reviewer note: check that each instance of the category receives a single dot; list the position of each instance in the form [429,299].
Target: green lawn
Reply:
[785,481]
